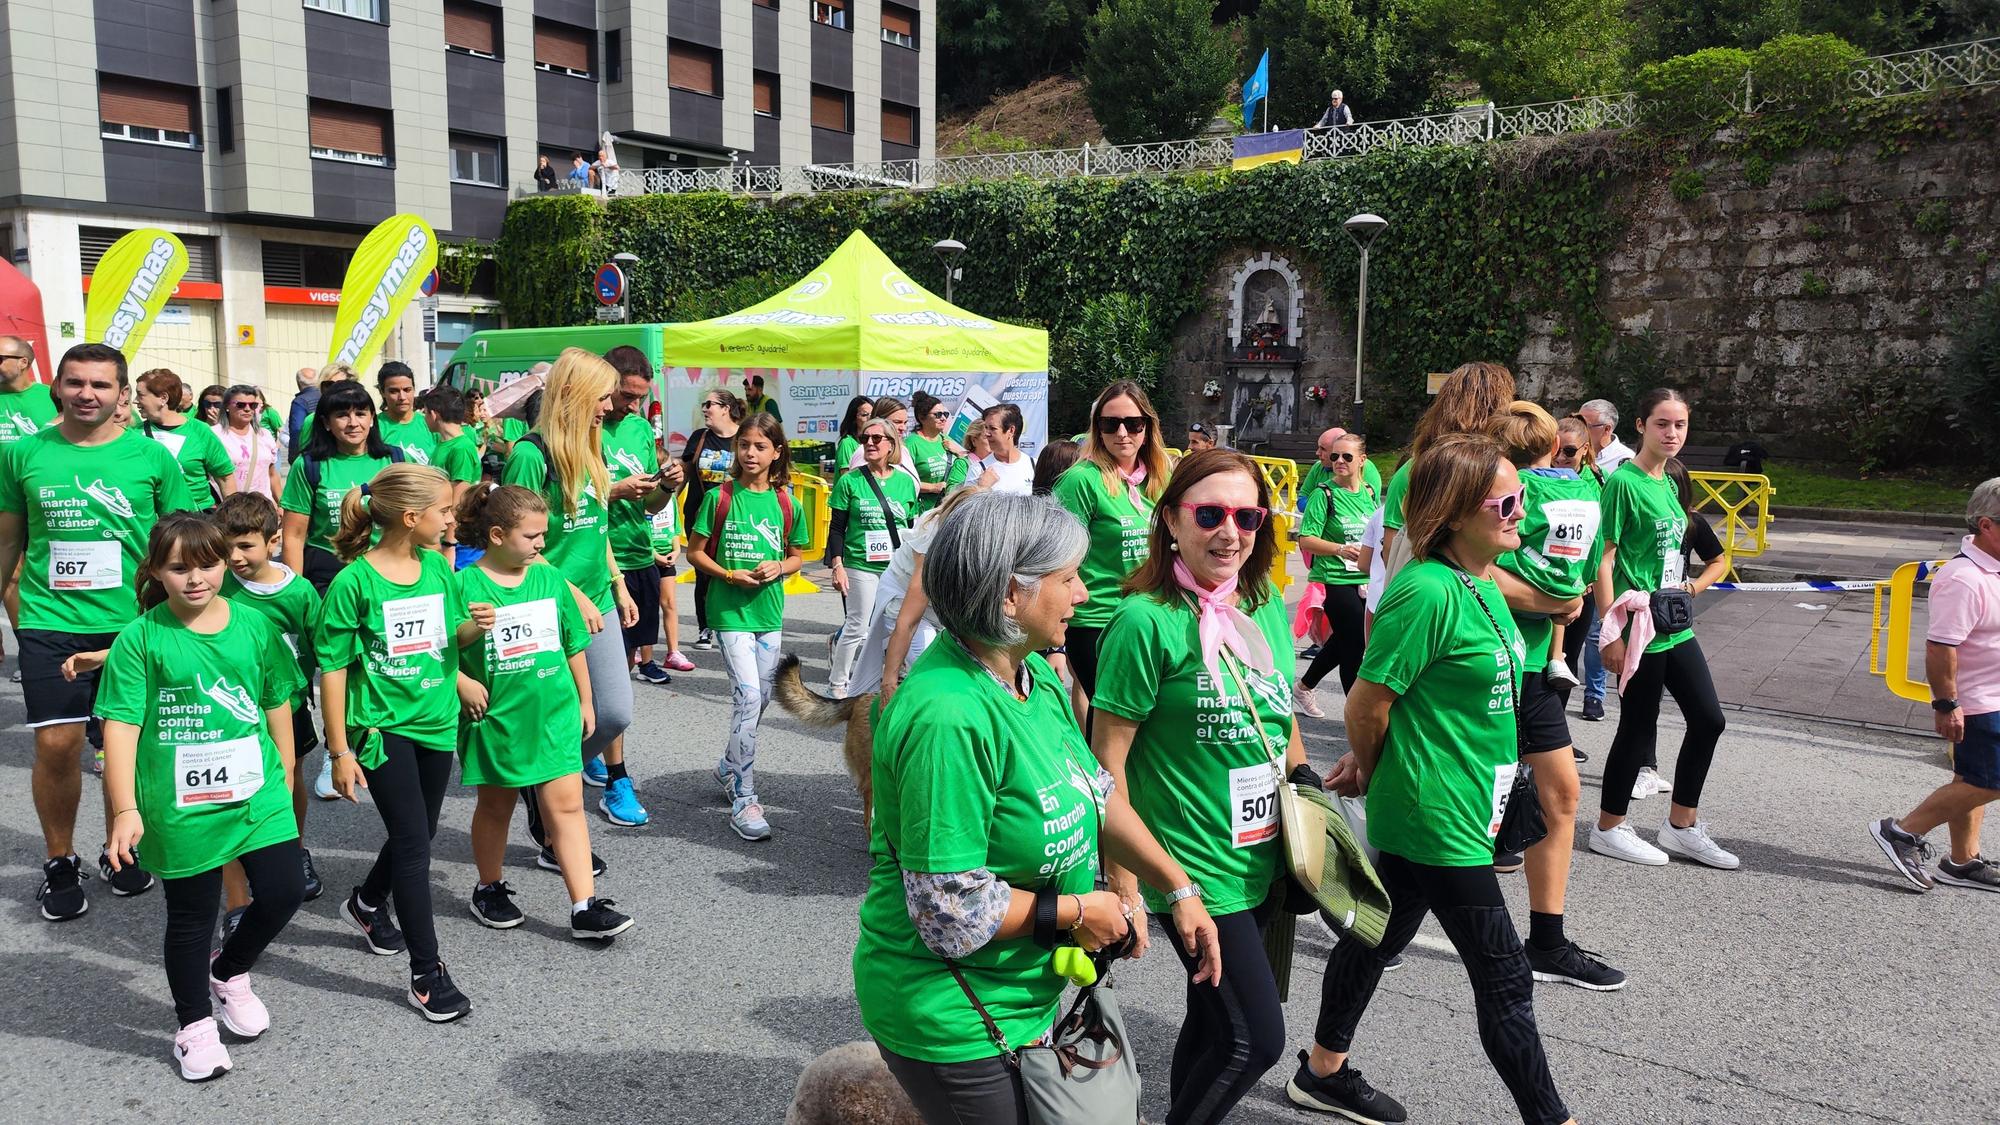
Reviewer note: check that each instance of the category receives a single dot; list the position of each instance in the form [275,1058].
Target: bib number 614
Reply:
[217,775]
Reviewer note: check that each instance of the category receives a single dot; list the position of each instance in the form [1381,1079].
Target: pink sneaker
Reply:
[241,1011]
[678,663]
[198,1049]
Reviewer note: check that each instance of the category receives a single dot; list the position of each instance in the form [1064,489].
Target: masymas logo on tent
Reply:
[896,285]
[130,285]
[385,273]
[107,495]
[231,698]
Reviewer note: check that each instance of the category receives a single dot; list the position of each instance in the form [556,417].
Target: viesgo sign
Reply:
[291,295]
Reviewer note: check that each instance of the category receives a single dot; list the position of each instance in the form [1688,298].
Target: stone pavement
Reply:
[1798,548]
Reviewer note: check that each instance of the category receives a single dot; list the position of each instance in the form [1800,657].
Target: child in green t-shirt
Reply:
[666,540]
[1560,545]
[748,534]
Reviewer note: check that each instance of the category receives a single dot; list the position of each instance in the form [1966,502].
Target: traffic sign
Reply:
[611,314]
[608,283]
[430,286]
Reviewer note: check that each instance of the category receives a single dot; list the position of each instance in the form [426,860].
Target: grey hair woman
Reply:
[988,815]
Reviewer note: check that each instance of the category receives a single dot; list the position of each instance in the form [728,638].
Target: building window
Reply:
[93,242]
[225,118]
[614,55]
[899,26]
[832,109]
[771,4]
[562,49]
[764,100]
[352,133]
[476,160]
[899,124]
[832,13]
[357,9]
[473,29]
[303,266]
[155,113]
[693,67]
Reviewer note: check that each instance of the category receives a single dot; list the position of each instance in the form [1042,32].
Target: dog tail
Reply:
[807,705]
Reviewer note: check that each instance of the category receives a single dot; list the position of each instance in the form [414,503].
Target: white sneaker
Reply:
[323,784]
[1623,843]
[1305,701]
[1559,676]
[1648,783]
[1695,844]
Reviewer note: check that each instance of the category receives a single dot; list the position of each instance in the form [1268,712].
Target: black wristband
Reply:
[1045,917]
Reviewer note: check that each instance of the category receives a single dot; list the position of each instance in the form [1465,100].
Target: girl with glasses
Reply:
[873,509]
[939,462]
[161,397]
[708,457]
[208,408]
[860,409]
[252,450]
[1336,517]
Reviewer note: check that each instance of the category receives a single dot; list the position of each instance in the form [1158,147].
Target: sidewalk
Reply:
[1819,549]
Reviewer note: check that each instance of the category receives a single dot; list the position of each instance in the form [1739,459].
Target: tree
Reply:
[1156,70]
[1385,56]
[995,45]
[1522,51]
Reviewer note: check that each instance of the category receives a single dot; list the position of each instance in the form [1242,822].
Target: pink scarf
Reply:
[1133,480]
[1225,626]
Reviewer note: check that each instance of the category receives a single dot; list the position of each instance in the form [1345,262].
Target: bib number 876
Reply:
[1256,809]
[216,775]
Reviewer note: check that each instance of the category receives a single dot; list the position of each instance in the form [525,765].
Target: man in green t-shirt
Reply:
[456,454]
[78,501]
[26,406]
[399,422]
[640,488]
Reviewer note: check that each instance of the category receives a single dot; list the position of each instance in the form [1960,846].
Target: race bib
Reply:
[218,773]
[411,626]
[1503,787]
[96,564]
[1673,569]
[1253,805]
[526,629]
[878,545]
[1572,528]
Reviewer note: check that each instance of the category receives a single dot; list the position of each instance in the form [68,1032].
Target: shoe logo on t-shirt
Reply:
[107,495]
[770,534]
[23,423]
[632,465]
[231,697]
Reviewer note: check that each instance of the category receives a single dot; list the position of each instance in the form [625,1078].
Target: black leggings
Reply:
[278,884]
[1683,671]
[1344,641]
[408,790]
[701,582]
[1080,645]
[1233,1033]
[1467,903]
[321,566]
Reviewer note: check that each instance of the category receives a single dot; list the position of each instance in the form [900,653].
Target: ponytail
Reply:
[381,502]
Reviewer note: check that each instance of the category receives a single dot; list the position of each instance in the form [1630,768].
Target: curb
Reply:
[1855,515]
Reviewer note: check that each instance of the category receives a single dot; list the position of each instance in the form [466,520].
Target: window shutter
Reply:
[901,21]
[829,109]
[765,99]
[470,26]
[349,128]
[151,105]
[560,45]
[899,123]
[693,67]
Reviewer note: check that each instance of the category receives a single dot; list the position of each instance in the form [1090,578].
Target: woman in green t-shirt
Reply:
[1336,515]
[161,399]
[343,449]
[938,461]
[988,818]
[1643,527]
[860,409]
[872,507]
[1112,488]
[1432,726]
[196,703]
[391,690]
[1194,721]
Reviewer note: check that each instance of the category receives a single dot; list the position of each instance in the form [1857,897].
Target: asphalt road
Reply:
[1807,987]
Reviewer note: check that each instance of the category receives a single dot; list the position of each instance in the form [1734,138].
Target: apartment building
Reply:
[271,134]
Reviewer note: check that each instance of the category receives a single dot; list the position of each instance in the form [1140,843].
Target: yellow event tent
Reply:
[856,324]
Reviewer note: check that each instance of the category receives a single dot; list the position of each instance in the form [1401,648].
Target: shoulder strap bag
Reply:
[888,516]
[1521,823]
[1301,824]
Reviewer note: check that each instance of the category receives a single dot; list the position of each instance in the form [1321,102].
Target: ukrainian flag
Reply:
[1253,149]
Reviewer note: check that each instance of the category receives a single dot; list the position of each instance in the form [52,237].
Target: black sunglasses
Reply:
[940,413]
[1208,517]
[1569,450]
[874,439]
[1345,456]
[1136,424]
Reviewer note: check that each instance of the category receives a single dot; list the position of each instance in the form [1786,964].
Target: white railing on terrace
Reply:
[1963,64]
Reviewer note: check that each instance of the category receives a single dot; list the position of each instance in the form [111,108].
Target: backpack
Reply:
[314,467]
[534,438]
[727,491]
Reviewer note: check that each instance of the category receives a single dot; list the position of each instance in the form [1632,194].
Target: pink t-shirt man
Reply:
[1965,614]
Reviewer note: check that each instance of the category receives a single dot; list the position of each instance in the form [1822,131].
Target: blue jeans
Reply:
[1594,678]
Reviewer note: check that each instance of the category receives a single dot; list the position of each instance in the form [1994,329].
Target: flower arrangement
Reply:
[1316,393]
[1211,389]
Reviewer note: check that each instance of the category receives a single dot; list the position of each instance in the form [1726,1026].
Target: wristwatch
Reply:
[1192,890]
[1944,706]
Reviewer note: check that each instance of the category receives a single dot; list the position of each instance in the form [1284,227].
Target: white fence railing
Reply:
[1963,64]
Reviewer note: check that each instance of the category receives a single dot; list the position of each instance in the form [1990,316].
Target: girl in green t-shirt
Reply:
[342,449]
[873,506]
[748,534]
[860,409]
[196,703]
[939,462]
[1336,514]
[525,649]
[391,690]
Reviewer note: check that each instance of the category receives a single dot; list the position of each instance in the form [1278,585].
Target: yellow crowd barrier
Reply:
[1744,499]
[1889,636]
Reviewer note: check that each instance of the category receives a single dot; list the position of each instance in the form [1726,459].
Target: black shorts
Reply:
[644,586]
[1544,725]
[666,566]
[52,700]
[304,737]
[321,566]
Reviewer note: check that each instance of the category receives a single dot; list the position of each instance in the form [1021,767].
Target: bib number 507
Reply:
[1258,810]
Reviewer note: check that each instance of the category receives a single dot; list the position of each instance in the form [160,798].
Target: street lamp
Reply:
[948,251]
[1363,229]
[625,263]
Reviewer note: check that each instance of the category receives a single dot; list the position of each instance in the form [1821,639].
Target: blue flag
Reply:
[1255,90]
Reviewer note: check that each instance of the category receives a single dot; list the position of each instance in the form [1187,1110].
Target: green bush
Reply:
[1156,70]
[1795,71]
[1933,218]
[1815,286]
[1824,200]
[1687,185]
[1116,335]
[1703,90]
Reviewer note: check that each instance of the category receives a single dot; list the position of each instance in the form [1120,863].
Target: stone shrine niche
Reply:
[1266,313]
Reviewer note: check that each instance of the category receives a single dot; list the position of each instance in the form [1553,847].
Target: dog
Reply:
[814,709]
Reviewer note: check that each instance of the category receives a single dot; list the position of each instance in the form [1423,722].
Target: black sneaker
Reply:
[1343,1092]
[547,862]
[598,922]
[1310,652]
[1908,853]
[377,930]
[61,893]
[491,905]
[1506,863]
[1979,874]
[314,888]
[1579,755]
[127,881]
[1394,963]
[1570,963]
[230,920]
[436,997]
[1593,710]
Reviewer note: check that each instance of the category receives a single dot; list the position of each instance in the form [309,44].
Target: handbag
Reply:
[1673,611]
[1084,1074]
[1521,823]
[1301,824]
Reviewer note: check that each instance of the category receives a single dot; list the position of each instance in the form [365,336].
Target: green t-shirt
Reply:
[458,458]
[199,453]
[25,413]
[1559,551]
[533,723]
[270,420]
[665,526]
[755,534]
[1319,474]
[843,454]
[1199,773]
[989,781]
[415,436]
[933,464]
[336,476]
[208,778]
[1644,520]
[396,642]
[1449,758]
[1118,534]
[576,544]
[1337,515]
[88,512]
[866,545]
[1392,500]
[292,605]
[629,451]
